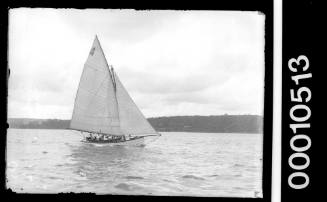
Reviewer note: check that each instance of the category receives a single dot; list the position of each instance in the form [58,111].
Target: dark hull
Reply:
[136,141]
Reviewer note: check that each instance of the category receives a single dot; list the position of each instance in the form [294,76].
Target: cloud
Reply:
[122,26]
[171,62]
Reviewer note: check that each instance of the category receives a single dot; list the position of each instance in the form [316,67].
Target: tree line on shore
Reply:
[210,124]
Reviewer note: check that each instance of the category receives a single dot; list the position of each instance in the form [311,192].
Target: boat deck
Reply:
[97,141]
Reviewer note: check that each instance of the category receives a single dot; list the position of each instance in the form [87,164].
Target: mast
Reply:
[111,73]
[115,88]
[113,78]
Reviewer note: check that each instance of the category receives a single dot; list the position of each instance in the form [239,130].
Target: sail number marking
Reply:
[300,114]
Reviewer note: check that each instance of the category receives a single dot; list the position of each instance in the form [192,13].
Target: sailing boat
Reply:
[103,107]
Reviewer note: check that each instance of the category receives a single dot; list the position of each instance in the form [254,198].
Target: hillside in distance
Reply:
[208,124]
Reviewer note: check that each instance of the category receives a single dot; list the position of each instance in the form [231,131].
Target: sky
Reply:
[172,63]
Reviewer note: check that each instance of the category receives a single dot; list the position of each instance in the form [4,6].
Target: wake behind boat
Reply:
[103,107]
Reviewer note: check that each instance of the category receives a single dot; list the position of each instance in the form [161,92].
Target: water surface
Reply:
[177,163]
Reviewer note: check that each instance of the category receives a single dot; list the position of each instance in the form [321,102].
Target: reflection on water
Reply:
[188,164]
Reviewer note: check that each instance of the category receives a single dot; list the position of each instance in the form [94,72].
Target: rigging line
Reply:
[113,77]
[115,94]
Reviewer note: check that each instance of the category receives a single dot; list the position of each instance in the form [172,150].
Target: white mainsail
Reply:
[102,105]
[95,108]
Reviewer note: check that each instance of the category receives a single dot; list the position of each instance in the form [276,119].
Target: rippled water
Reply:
[177,163]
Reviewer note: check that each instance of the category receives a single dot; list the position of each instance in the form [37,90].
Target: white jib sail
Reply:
[95,108]
[131,118]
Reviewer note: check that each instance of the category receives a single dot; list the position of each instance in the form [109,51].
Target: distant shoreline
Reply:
[205,124]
